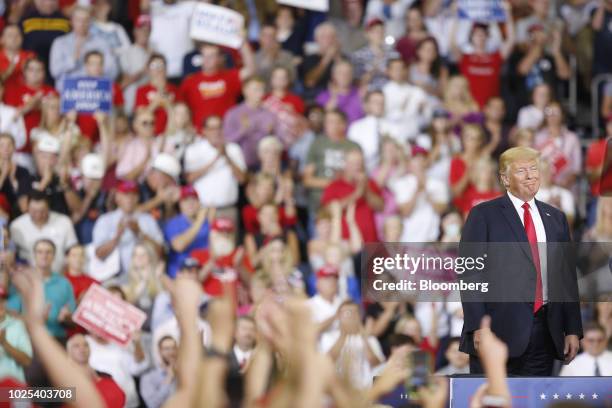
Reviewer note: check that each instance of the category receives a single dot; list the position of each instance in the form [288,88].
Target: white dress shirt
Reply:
[584,365]
[540,234]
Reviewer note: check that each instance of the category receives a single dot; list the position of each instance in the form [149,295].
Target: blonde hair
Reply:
[153,285]
[523,134]
[465,102]
[515,154]
[267,142]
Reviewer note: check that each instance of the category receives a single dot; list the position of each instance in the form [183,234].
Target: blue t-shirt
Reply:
[176,226]
[58,292]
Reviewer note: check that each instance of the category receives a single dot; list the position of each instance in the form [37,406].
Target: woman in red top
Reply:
[484,180]
[480,66]
[27,95]
[158,94]
[12,57]
[472,137]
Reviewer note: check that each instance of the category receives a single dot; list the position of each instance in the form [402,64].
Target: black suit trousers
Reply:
[537,359]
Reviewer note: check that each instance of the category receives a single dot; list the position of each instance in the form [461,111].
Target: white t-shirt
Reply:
[423,224]
[565,197]
[120,363]
[170,25]
[530,117]
[407,106]
[218,187]
[58,229]
[367,133]
[353,357]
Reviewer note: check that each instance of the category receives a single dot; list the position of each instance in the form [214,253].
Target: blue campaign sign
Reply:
[485,11]
[540,392]
[87,95]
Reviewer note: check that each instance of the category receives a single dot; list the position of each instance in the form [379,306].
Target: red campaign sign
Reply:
[107,316]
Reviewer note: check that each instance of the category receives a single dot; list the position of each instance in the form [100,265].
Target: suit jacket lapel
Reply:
[546,220]
[515,224]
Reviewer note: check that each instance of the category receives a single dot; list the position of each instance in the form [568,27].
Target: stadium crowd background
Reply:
[261,172]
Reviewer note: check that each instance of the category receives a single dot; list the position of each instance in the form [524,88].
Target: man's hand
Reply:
[64,314]
[30,286]
[3,341]
[571,347]
[133,225]
[477,335]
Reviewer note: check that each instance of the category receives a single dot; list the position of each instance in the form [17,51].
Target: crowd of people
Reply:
[229,193]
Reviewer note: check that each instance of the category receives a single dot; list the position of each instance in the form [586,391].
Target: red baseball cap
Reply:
[223,225]
[535,27]
[374,22]
[143,20]
[127,186]
[416,150]
[188,191]
[328,271]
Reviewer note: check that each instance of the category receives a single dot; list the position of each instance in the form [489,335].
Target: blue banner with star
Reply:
[540,392]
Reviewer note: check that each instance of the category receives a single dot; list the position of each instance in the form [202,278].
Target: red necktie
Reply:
[533,243]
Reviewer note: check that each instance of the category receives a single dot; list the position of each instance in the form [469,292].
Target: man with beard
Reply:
[222,261]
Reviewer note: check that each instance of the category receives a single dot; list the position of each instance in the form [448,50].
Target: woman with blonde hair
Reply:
[472,137]
[179,132]
[143,279]
[392,165]
[278,266]
[458,99]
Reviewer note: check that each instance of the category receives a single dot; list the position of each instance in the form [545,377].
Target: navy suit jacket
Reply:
[497,221]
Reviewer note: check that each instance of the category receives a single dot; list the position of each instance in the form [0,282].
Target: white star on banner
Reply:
[555,396]
[568,396]
[594,396]
[542,396]
[581,396]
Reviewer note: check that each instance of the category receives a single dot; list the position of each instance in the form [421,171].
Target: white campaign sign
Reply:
[317,5]
[217,25]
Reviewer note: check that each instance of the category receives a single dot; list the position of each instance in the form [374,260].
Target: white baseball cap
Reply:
[92,166]
[168,164]
[48,144]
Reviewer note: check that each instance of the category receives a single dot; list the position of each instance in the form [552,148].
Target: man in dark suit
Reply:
[527,313]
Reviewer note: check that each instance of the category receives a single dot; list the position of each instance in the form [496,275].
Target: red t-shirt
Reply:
[251,224]
[18,94]
[364,214]
[88,124]
[208,95]
[111,393]
[596,154]
[473,198]
[482,73]
[144,96]
[17,75]
[80,284]
[212,285]
[457,170]
[292,100]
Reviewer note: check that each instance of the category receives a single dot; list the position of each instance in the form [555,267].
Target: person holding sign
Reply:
[214,90]
[481,67]
[69,50]
[94,67]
